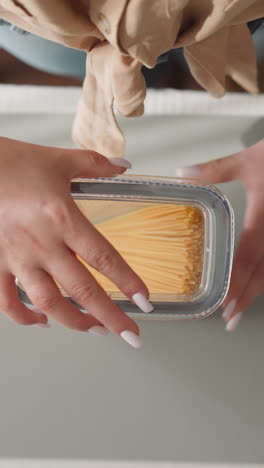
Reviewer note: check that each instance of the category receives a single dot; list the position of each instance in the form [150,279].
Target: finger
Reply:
[76,280]
[94,249]
[85,163]
[46,296]
[216,171]
[249,254]
[245,262]
[253,288]
[244,265]
[13,308]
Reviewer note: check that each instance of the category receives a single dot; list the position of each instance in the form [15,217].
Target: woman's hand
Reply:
[42,231]
[247,279]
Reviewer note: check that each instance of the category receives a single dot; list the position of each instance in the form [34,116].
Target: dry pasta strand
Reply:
[162,243]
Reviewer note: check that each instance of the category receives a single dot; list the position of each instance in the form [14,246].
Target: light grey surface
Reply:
[84,463]
[194,393]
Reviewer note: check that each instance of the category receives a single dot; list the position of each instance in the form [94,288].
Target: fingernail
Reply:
[142,302]
[120,162]
[34,309]
[229,309]
[190,171]
[37,311]
[132,339]
[233,323]
[98,330]
[42,325]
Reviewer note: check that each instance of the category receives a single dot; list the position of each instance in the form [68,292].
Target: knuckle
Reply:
[56,211]
[84,292]
[103,261]
[95,158]
[46,303]
[215,165]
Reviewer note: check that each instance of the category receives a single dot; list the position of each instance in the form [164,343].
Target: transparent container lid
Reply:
[178,235]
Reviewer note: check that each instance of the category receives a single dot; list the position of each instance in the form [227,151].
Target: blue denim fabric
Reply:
[41,53]
[55,58]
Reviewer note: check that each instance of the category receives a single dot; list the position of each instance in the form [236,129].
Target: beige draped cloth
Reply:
[123,35]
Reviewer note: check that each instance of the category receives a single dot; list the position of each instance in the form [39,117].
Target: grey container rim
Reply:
[77,193]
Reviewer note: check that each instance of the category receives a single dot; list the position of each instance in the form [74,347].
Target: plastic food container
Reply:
[177,234]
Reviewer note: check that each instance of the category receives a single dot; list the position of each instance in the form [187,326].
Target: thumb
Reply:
[214,172]
[89,164]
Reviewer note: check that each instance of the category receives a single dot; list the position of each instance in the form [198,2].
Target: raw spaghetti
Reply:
[162,243]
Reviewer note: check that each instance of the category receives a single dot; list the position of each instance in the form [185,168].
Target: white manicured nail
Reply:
[32,307]
[132,339]
[120,162]
[233,323]
[98,330]
[42,325]
[142,302]
[185,172]
[229,309]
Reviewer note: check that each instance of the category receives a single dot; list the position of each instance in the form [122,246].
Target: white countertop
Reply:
[194,393]
[114,464]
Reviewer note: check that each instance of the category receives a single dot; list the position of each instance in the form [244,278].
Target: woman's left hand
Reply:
[247,280]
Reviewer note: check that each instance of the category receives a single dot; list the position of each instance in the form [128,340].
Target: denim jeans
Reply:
[55,58]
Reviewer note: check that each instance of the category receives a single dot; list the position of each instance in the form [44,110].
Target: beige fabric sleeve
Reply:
[122,35]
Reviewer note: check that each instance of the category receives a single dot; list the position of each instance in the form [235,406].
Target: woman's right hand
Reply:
[41,232]
[247,280]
